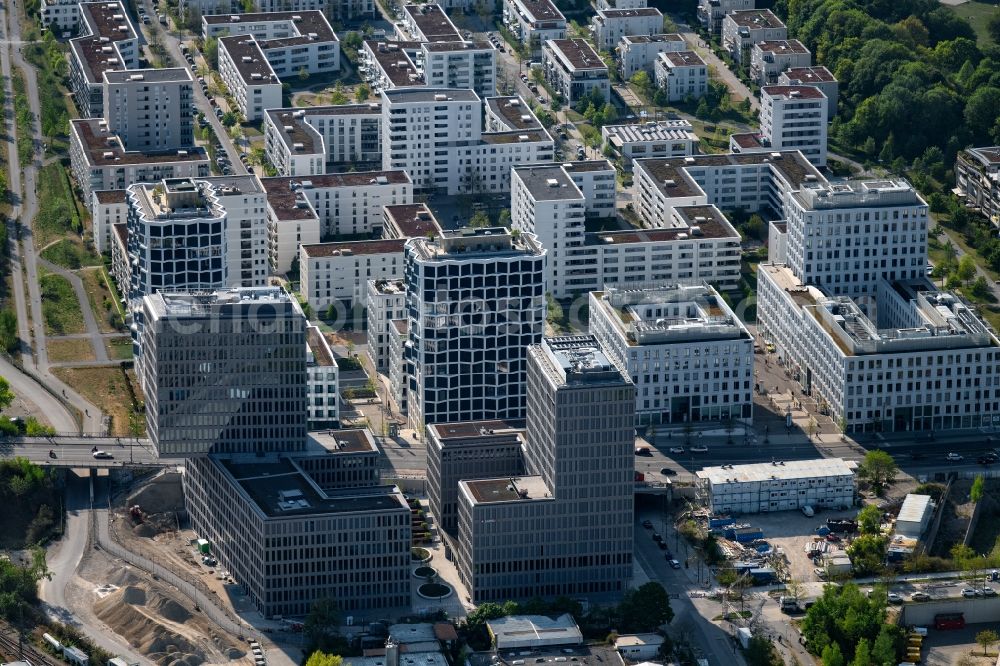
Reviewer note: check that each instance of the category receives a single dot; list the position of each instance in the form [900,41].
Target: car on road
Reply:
[989,592]
[968,593]
[648,524]
[954,457]
[699,448]
[541,100]
[820,572]
[920,596]
[676,449]
[894,598]
[657,537]
[563,135]
[666,471]
[985,461]
[674,564]
[102,455]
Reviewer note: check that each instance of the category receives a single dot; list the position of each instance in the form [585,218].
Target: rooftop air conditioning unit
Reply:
[288,128]
[298,146]
[440,97]
[246,59]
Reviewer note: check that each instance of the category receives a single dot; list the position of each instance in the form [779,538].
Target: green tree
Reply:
[479,220]
[642,81]
[841,617]
[362,93]
[646,608]
[986,638]
[211,52]
[862,654]
[353,40]
[885,650]
[832,656]
[8,331]
[976,493]
[229,119]
[870,519]
[980,288]
[760,652]
[966,268]
[318,658]
[504,220]
[322,620]
[303,74]
[867,553]
[6,395]
[878,468]
[993,27]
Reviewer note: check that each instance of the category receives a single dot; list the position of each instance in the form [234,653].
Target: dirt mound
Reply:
[144,530]
[158,626]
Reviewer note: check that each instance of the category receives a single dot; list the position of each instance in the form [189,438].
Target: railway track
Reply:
[9,645]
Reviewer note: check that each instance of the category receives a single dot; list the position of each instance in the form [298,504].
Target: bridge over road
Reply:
[77,451]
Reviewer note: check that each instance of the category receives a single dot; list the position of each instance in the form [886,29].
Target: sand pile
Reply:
[160,628]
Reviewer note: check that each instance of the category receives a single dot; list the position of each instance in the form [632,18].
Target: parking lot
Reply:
[791,531]
[947,648]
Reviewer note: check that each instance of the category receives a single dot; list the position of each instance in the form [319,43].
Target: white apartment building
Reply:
[150,109]
[328,205]
[436,135]
[121,265]
[814,75]
[534,22]
[60,16]
[248,76]
[386,302]
[977,179]
[107,208]
[769,59]
[742,29]
[99,161]
[338,273]
[573,69]
[308,141]
[475,301]
[323,383]
[109,41]
[292,42]
[664,138]
[905,358]
[795,118]
[195,235]
[688,354]
[386,65]
[428,23]
[461,64]
[398,368]
[752,181]
[712,12]
[681,74]
[610,25]
[782,485]
[408,221]
[620,4]
[637,53]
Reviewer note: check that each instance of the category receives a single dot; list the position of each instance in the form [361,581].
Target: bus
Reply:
[944,621]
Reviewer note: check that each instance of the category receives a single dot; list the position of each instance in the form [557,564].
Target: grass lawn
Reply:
[60,308]
[977,14]
[106,388]
[102,301]
[61,351]
[70,253]
[58,213]
[119,349]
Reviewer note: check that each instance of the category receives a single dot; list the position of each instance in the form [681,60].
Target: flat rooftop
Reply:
[858,194]
[628,13]
[794,92]
[296,134]
[664,130]
[96,57]
[682,58]
[578,360]
[432,22]
[516,136]
[779,46]
[652,39]
[280,490]
[107,19]
[285,193]
[588,166]
[349,440]
[576,53]
[121,232]
[105,149]
[517,489]
[789,164]
[138,76]
[703,222]
[414,95]
[319,347]
[395,63]
[410,220]
[203,303]
[778,470]
[914,507]
[514,112]
[249,60]
[807,75]
[527,630]
[108,197]
[548,182]
[749,141]
[785,280]
[475,429]
[540,10]
[348,248]
[989,155]
[755,18]
[309,25]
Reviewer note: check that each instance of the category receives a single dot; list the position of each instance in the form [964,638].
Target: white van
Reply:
[807,511]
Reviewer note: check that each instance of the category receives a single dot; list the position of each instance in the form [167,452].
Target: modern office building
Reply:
[712,12]
[566,527]
[475,301]
[637,53]
[386,303]
[189,234]
[290,542]
[742,29]
[248,76]
[977,179]
[574,70]
[534,22]
[223,372]
[783,485]
[769,59]
[150,109]
[611,25]
[99,160]
[470,450]
[688,354]
[292,42]
[436,135]
[337,273]
[320,139]
[681,75]
[905,357]
[814,75]
[791,118]
[323,390]
[664,138]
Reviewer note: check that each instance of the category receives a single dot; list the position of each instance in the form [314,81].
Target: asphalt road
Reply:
[78,454]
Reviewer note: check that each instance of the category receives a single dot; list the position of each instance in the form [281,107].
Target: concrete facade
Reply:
[574,70]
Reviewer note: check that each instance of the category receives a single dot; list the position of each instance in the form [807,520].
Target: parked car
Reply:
[989,592]
[894,598]
[954,457]
[920,596]
[699,448]
[662,545]
[968,593]
[676,449]
[674,564]
[666,471]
